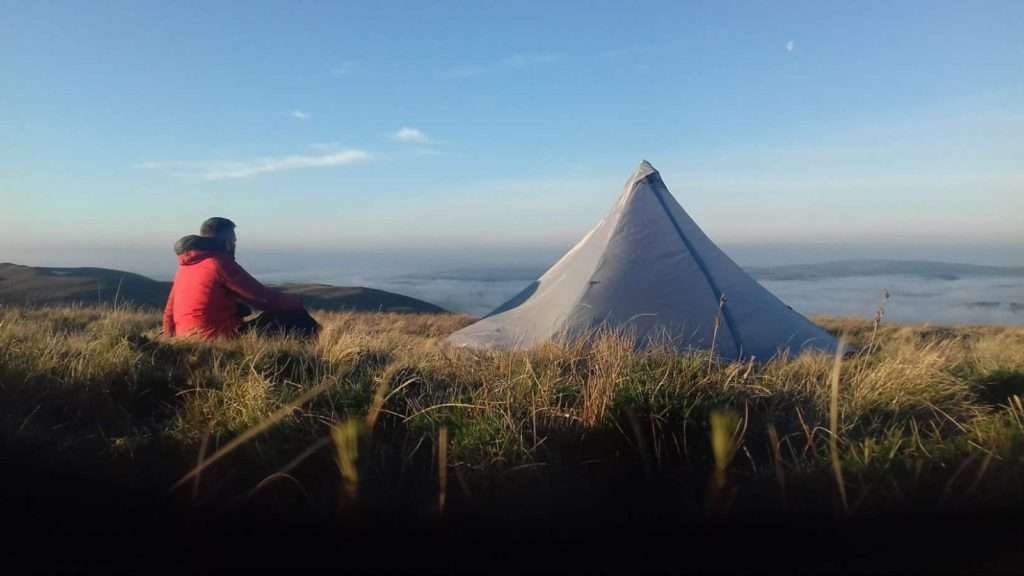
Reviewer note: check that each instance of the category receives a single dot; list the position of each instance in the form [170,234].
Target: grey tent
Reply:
[648,270]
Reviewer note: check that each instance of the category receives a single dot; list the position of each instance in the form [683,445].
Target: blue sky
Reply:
[478,126]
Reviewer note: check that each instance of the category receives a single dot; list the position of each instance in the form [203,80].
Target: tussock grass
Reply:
[923,416]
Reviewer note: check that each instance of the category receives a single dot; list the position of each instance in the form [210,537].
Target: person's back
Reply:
[208,287]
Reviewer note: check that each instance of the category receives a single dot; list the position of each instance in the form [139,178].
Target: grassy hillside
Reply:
[334,298]
[29,285]
[381,417]
[34,286]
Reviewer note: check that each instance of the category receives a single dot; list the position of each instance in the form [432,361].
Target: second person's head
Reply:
[222,229]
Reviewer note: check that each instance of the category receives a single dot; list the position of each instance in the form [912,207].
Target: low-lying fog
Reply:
[960,296]
[476,280]
[911,299]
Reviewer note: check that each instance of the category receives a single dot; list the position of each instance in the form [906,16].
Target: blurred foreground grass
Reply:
[924,418]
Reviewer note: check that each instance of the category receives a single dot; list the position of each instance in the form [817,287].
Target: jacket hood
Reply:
[192,249]
[192,243]
[196,256]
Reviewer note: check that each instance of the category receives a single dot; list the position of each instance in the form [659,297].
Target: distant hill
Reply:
[29,285]
[327,297]
[849,268]
[21,285]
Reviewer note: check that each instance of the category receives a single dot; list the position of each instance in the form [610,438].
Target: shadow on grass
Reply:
[541,521]
[997,387]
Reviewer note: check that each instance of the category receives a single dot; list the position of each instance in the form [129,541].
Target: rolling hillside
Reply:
[34,286]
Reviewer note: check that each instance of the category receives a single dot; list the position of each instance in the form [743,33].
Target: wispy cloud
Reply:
[213,171]
[300,115]
[460,72]
[626,51]
[332,146]
[790,45]
[407,135]
[343,69]
[522,60]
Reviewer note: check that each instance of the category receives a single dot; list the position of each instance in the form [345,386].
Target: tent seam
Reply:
[737,341]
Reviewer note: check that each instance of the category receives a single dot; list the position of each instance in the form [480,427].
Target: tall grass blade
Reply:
[724,425]
[780,473]
[291,465]
[346,442]
[723,429]
[833,416]
[442,467]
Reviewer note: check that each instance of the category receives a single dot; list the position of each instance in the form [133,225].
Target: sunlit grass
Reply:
[921,416]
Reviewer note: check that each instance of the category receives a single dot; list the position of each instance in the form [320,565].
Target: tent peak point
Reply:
[644,170]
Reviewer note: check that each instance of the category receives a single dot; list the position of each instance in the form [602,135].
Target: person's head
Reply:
[222,229]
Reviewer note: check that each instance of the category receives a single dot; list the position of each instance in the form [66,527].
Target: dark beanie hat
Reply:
[214,227]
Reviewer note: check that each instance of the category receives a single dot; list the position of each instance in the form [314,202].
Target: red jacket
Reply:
[206,290]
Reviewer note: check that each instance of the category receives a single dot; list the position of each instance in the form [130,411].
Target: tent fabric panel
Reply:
[540,311]
[649,285]
[765,324]
[649,270]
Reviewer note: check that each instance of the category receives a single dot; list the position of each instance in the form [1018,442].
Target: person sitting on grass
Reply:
[211,294]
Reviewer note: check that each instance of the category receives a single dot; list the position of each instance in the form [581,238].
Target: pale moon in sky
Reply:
[789,46]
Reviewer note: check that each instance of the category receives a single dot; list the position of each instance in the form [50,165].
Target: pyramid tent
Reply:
[648,270]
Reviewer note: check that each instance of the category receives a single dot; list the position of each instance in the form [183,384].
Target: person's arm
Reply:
[169,314]
[251,291]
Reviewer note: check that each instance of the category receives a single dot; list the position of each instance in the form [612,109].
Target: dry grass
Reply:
[924,416]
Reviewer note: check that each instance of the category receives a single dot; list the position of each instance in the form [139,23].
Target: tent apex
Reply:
[644,170]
